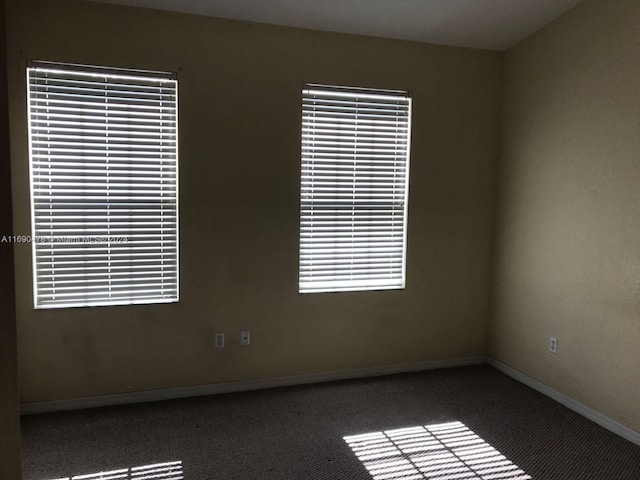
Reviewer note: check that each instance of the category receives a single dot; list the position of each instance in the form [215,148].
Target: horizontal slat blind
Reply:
[355,165]
[104,173]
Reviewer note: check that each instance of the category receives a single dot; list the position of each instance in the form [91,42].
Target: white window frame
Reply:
[103,151]
[355,153]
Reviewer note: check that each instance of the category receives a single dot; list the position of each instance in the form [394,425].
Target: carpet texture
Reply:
[452,424]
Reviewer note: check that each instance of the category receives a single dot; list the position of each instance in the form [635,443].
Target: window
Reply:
[104,191]
[353,206]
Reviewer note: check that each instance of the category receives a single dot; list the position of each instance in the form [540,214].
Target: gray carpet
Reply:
[464,423]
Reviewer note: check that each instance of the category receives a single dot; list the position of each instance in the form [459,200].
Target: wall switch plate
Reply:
[553,345]
[245,337]
[219,339]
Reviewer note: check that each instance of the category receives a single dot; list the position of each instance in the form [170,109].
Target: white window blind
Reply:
[104,191]
[355,166]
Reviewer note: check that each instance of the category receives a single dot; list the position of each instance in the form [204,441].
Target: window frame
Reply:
[366,95]
[165,180]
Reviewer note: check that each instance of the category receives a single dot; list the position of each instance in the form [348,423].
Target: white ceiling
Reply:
[489,24]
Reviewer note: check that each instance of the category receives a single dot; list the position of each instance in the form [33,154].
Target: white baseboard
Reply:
[242,386]
[594,416]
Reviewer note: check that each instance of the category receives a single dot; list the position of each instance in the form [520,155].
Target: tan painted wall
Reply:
[9,413]
[568,238]
[240,110]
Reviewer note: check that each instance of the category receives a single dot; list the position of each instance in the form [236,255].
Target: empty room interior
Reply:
[371,240]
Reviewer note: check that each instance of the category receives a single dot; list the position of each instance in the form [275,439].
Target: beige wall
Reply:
[240,110]
[568,238]
[9,416]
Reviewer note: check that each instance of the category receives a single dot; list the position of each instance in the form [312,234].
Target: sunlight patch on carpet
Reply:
[156,471]
[446,451]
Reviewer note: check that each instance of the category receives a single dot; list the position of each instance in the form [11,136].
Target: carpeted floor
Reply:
[462,423]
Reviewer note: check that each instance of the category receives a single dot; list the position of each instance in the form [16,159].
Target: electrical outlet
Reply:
[245,337]
[553,345]
[219,339]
